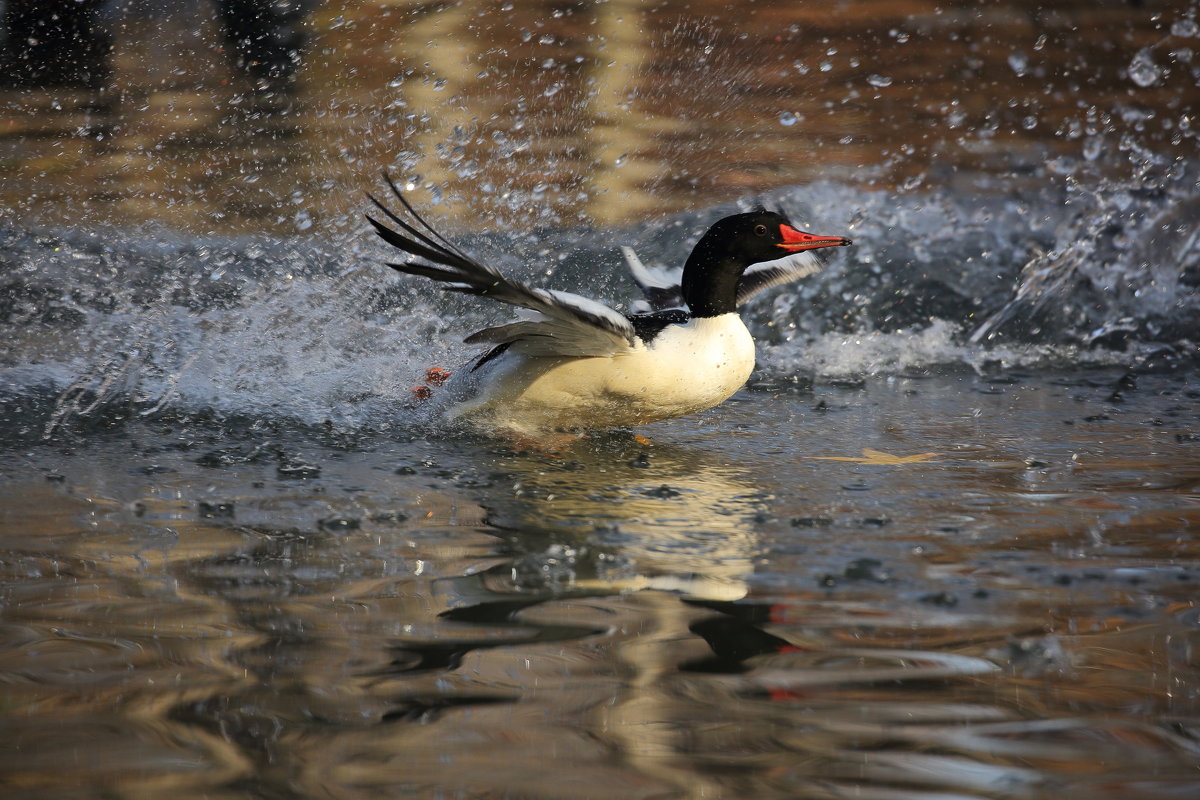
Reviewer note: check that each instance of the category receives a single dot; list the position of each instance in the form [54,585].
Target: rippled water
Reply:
[943,546]
[218,610]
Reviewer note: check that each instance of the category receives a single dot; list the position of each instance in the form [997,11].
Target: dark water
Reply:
[943,546]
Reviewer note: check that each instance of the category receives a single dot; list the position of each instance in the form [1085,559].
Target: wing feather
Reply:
[765,274]
[566,324]
[662,290]
[660,286]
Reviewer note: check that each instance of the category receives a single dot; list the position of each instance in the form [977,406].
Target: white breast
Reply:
[686,368]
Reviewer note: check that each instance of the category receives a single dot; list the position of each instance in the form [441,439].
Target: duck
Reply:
[570,364]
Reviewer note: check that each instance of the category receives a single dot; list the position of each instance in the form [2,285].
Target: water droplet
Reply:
[787,119]
[620,160]
[1019,62]
[553,89]
[547,39]
[1093,146]
[825,66]
[439,84]
[1029,123]
[1040,43]
[879,80]
[1185,27]
[303,220]
[1142,70]
[1063,165]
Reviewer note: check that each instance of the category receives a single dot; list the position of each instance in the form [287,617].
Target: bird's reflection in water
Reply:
[605,622]
[660,544]
[637,535]
[613,514]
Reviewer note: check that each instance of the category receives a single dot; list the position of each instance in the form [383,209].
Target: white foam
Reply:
[837,355]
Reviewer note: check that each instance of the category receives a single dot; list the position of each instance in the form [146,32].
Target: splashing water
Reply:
[323,331]
[1092,256]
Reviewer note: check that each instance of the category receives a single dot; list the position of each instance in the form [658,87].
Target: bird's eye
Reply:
[760,230]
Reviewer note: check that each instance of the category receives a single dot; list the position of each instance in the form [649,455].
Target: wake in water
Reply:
[140,322]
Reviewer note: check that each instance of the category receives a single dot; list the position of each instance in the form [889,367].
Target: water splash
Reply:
[1143,71]
[1097,259]
[130,324]
[138,322]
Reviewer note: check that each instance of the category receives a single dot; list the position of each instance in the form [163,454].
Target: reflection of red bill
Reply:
[879,457]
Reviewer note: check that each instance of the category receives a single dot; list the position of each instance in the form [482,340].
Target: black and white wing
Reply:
[661,286]
[765,274]
[563,324]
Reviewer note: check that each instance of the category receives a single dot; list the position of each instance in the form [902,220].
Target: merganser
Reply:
[573,364]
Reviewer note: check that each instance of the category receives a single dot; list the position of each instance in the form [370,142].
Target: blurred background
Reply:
[276,115]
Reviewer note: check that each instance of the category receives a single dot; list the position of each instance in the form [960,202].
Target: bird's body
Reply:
[685,368]
[573,364]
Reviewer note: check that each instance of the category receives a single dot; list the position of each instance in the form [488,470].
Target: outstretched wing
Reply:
[563,324]
[661,287]
[765,274]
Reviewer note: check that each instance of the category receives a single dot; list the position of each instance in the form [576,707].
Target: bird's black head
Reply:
[732,244]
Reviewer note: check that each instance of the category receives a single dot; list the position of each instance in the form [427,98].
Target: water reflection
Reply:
[439,617]
[540,113]
[622,515]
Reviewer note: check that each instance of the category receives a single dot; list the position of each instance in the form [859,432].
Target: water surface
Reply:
[215,611]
